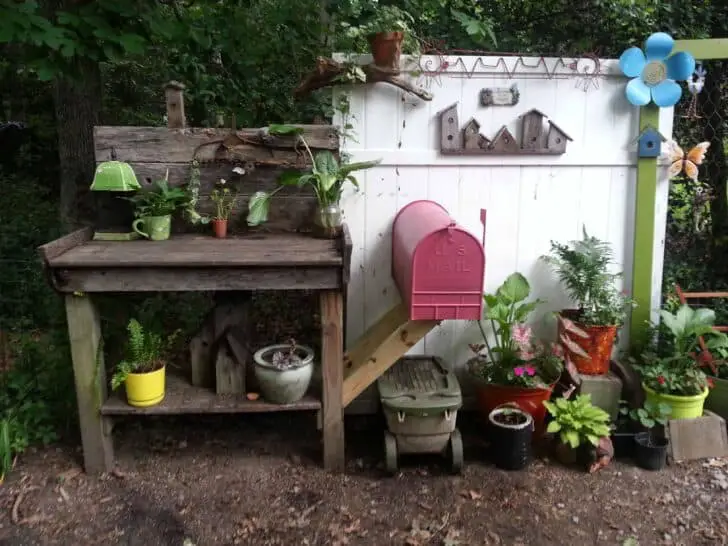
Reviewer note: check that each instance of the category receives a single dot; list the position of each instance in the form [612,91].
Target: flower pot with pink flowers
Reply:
[511,366]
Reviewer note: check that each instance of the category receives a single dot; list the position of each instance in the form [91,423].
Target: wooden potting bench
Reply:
[277,257]
[79,268]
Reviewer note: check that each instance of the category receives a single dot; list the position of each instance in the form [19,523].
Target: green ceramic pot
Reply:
[717,401]
[683,407]
[157,228]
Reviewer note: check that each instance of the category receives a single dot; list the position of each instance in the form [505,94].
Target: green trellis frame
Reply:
[646,195]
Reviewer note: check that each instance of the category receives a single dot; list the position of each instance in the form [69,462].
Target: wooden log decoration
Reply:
[174,95]
[469,141]
[329,72]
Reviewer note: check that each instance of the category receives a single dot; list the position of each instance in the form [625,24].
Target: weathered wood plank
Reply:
[151,279]
[286,213]
[182,398]
[201,346]
[267,250]
[174,97]
[53,249]
[84,332]
[332,352]
[164,145]
[700,438]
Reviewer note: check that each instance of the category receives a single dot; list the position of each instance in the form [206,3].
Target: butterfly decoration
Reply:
[679,161]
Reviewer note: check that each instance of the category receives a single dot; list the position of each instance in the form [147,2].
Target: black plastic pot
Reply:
[650,452]
[623,443]
[511,432]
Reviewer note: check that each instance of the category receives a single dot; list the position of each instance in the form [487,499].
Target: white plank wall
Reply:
[530,200]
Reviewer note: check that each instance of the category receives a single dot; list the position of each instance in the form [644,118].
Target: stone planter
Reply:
[283,386]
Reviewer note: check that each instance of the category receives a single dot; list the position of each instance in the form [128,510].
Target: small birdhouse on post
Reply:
[649,142]
[532,130]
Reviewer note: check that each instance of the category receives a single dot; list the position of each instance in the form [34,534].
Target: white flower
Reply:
[223,181]
[239,170]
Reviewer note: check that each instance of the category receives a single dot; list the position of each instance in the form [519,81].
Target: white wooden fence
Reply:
[530,200]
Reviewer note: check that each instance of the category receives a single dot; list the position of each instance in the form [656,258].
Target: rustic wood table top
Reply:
[269,249]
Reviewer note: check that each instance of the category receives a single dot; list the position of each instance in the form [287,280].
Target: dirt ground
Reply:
[257,480]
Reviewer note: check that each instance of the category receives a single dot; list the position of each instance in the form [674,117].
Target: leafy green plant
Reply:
[224,200]
[160,199]
[577,420]
[514,357]
[651,414]
[679,373]
[376,19]
[582,267]
[145,353]
[326,178]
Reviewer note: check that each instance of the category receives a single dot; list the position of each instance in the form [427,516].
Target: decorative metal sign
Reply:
[500,96]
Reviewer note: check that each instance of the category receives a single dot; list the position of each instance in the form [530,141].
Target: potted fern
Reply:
[142,372]
[583,268]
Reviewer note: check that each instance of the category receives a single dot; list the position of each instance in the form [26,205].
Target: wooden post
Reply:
[84,332]
[174,95]
[332,365]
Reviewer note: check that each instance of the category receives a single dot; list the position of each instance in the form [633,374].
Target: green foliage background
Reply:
[241,58]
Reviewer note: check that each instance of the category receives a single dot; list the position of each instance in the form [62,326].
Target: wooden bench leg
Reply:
[84,332]
[332,365]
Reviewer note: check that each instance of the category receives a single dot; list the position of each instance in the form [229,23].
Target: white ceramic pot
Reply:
[283,386]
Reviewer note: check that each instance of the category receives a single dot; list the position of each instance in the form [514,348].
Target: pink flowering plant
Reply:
[512,356]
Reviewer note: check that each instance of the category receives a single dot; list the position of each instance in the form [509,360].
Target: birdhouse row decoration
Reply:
[534,137]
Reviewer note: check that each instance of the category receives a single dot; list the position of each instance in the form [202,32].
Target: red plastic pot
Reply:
[598,346]
[491,396]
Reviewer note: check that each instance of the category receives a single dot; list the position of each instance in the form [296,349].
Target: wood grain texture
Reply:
[202,279]
[182,398]
[700,438]
[186,251]
[53,249]
[84,332]
[174,97]
[164,145]
[332,352]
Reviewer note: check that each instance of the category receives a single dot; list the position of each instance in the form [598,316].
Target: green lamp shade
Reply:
[114,176]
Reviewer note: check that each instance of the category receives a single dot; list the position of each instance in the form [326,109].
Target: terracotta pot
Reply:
[220,228]
[386,48]
[531,401]
[598,346]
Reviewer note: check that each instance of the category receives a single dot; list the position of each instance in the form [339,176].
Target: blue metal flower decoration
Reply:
[655,72]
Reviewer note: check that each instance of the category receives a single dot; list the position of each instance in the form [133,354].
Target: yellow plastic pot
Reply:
[145,389]
[683,407]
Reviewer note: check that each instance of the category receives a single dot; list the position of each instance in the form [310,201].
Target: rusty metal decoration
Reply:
[586,68]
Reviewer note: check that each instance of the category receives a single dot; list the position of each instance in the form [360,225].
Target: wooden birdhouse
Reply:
[451,138]
[504,142]
[556,139]
[649,142]
[472,137]
[532,129]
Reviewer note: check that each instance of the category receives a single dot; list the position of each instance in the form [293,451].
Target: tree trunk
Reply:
[77,107]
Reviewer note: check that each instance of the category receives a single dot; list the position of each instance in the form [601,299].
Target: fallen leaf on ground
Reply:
[471,494]
[69,474]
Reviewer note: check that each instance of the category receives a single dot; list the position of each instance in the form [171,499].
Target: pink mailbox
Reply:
[438,266]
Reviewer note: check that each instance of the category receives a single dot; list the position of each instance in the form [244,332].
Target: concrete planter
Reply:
[283,386]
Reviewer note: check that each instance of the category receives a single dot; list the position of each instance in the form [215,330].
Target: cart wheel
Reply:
[390,452]
[456,451]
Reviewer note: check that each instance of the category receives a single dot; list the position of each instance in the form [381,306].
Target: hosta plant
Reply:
[577,421]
